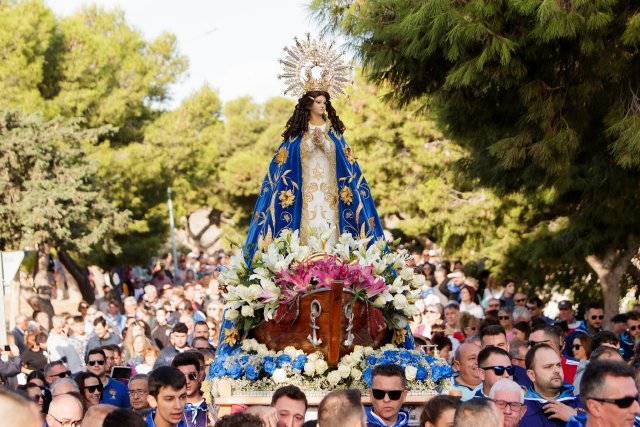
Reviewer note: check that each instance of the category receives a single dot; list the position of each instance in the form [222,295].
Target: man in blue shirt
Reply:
[550,402]
[115,393]
[167,397]
[387,393]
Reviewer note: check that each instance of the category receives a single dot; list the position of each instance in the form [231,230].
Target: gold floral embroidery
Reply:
[231,336]
[307,193]
[346,195]
[351,156]
[281,156]
[286,198]
[318,172]
[399,336]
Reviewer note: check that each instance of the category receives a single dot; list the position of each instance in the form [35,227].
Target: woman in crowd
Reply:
[439,411]
[581,347]
[34,392]
[506,321]
[444,346]
[34,357]
[469,325]
[432,315]
[129,353]
[467,304]
[521,331]
[492,290]
[90,389]
[150,356]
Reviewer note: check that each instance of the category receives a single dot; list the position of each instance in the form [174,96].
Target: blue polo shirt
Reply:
[116,393]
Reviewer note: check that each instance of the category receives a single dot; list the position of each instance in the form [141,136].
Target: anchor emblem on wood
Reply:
[315,310]
[348,313]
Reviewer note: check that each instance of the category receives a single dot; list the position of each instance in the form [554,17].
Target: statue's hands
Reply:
[318,137]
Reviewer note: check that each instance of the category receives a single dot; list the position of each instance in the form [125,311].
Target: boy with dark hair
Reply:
[167,397]
[387,393]
[288,407]
[179,337]
[195,410]
[494,364]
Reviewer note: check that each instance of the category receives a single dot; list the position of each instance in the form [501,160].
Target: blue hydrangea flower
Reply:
[244,359]
[439,371]
[269,366]
[298,364]
[371,360]
[218,370]
[235,372]
[282,359]
[366,377]
[421,375]
[251,373]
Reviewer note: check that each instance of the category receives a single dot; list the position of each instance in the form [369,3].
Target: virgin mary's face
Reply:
[319,105]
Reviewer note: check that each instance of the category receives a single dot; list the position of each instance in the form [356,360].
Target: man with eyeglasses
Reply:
[465,362]
[550,401]
[387,393]
[494,364]
[509,398]
[138,392]
[195,410]
[610,395]
[115,393]
[64,411]
[630,338]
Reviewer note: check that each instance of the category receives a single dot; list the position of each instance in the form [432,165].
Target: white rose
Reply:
[279,376]
[313,357]
[247,311]
[232,315]
[309,368]
[410,372]
[249,345]
[348,360]
[291,351]
[399,302]
[334,377]
[344,371]
[321,366]
[380,301]
[356,374]
[406,274]
[262,350]
[368,351]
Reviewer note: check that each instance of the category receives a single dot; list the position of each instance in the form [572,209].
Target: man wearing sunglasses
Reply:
[592,324]
[387,393]
[494,364]
[54,371]
[115,393]
[195,410]
[610,394]
[550,401]
[630,338]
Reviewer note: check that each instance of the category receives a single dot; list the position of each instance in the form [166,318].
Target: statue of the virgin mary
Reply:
[314,182]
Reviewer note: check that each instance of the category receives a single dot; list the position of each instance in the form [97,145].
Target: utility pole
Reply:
[173,236]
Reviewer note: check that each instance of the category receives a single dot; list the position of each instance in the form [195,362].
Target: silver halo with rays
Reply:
[313,64]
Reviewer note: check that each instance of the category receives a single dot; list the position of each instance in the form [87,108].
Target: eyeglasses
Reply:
[503,317]
[94,362]
[137,392]
[192,376]
[94,388]
[597,317]
[393,394]
[576,346]
[532,343]
[519,300]
[502,404]
[499,370]
[623,402]
[432,312]
[66,423]
[62,374]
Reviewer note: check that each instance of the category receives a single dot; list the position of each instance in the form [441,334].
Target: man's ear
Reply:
[531,375]
[482,374]
[456,365]
[152,401]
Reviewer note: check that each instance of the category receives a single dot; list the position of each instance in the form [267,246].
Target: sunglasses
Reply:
[192,376]
[94,388]
[95,362]
[623,402]
[473,328]
[530,308]
[499,370]
[576,346]
[634,327]
[597,317]
[503,317]
[519,300]
[62,374]
[393,394]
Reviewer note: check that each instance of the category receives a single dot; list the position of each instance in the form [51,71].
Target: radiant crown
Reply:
[314,65]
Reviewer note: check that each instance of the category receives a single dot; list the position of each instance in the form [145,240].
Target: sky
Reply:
[233,45]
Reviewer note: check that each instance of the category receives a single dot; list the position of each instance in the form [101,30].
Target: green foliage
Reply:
[49,192]
[542,95]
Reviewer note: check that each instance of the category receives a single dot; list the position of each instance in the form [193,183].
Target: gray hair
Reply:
[57,321]
[49,366]
[62,381]
[521,314]
[506,384]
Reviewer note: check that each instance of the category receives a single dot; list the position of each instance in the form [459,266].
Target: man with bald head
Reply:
[465,362]
[64,410]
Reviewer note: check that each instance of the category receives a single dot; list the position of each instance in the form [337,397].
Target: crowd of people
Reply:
[139,355]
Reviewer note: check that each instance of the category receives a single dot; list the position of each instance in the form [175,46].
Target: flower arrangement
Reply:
[286,268]
[253,367]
